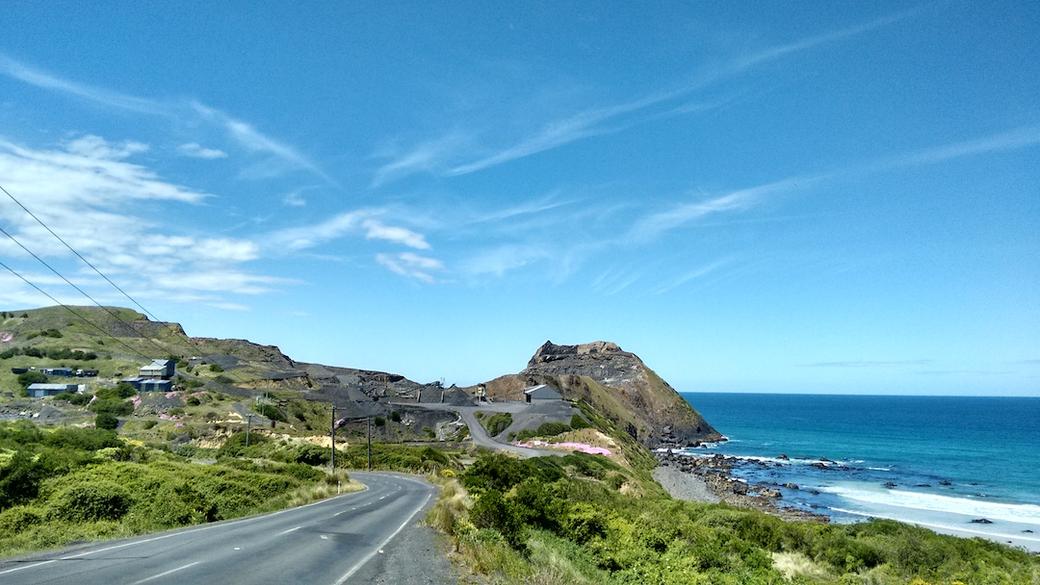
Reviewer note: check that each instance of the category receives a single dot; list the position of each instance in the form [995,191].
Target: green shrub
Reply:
[20,479]
[272,412]
[549,429]
[222,379]
[87,502]
[312,455]
[493,511]
[32,377]
[497,423]
[82,439]
[112,406]
[105,420]
[578,422]
[395,416]
[215,368]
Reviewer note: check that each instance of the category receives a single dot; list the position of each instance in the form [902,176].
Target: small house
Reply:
[42,390]
[542,392]
[162,369]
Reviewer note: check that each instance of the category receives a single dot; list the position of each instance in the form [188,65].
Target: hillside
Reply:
[230,374]
[618,385]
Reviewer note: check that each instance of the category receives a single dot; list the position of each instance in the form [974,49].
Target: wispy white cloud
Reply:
[376,230]
[453,154]
[238,131]
[498,260]
[248,137]
[46,80]
[423,157]
[294,199]
[411,265]
[361,221]
[1014,139]
[653,225]
[695,274]
[196,150]
[87,190]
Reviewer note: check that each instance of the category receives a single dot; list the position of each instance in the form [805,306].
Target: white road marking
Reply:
[369,556]
[41,563]
[164,573]
[288,531]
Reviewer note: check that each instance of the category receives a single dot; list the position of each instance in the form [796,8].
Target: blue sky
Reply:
[817,197]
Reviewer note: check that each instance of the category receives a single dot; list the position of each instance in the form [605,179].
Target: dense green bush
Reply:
[90,501]
[272,412]
[498,422]
[215,368]
[566,511]
[112,406]
[20,479]
[222,379]
[33,377]
[105,420]
[312,455]
[548,429]
[495,512]
[82,484]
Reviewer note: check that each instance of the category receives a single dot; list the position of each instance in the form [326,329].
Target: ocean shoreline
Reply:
[708,478]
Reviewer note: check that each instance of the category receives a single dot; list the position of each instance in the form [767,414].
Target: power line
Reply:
[191,342]
[71,310]
[155,344]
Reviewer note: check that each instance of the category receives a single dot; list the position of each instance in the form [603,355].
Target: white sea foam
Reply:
[880,468]
[764,459]
[1021,513]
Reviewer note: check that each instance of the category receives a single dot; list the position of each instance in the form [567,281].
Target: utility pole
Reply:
[249,423]
[332,435]
[369,419]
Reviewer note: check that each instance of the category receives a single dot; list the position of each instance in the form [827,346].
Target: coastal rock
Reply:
[783,457]
[791,486]
[982,521]
[620,386]
[891,484]
[946,483]
[770,493]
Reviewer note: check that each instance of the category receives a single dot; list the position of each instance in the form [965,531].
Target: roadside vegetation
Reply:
[495,423]
[583,519]
[75,484]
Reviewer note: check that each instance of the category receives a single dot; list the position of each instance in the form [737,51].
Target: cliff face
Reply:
[619,385]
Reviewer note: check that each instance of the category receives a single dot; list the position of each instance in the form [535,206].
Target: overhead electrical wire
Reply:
[155,344]
[73,311]
[190,341]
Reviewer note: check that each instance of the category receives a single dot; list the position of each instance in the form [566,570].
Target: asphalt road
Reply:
[477,431]
[330,542]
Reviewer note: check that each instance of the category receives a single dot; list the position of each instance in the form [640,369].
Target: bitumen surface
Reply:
[477,431]
[331,542]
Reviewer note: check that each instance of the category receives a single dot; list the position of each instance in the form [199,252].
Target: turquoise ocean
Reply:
[962,465]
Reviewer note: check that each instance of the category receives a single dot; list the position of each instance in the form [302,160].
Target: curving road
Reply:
[477,431]
[330,542]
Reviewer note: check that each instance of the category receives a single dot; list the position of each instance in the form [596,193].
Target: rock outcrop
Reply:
[620,386]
